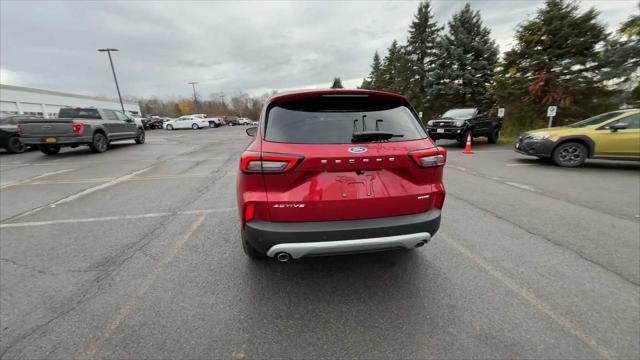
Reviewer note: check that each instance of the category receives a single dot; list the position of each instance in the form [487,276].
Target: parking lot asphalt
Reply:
[135,253]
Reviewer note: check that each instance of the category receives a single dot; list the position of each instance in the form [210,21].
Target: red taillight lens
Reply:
[431,157]
[249,212]
[267,163]
[19,129]
[77,128]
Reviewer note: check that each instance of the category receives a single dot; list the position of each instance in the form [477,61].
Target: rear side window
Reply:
[323,123]
[79,113]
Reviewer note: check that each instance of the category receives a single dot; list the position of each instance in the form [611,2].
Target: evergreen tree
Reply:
[422,53]
[466,64]
[337,83]
[388,70]
[555,61]
[371,81]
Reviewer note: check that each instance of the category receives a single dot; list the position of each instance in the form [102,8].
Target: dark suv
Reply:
[338,171]
[459,124]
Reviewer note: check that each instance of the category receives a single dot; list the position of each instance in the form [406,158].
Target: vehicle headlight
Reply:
[541,136]
[458,123]
[430,122]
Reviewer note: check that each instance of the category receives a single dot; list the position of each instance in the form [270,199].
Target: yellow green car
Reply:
[614,135]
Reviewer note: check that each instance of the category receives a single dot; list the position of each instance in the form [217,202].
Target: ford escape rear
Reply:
[338,171]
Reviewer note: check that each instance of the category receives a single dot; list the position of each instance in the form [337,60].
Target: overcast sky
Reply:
[226,46]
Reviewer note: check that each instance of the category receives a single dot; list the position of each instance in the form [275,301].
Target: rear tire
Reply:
[99,144]
[169,127]
[493,137]
[141,137]
[14,145]
[569,154]
[50,149]
[195,127]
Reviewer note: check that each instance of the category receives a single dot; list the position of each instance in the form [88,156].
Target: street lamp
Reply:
[195,99]
[108,51]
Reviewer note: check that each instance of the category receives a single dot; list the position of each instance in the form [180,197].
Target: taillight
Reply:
[77,128]
[431,157]
[268,163]
[19,129]
[249,212]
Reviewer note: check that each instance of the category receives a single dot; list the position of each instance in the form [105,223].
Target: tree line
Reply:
[242,105]
[562,56]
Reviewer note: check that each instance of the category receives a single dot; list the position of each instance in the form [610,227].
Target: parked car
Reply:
[614,135]
[96,128]
[186,122]
[231,120]
[152,122]
[338,171]
[254,123]
[9,137]
[215,122]
[458,124]
[244,121]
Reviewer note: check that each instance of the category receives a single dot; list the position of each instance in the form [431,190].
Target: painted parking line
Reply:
[132,300]
[114,218]
[522,164]
[15,183]
[82,193]
[531,298]
[133,178]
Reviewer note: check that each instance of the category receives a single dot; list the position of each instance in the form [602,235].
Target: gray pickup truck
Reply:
[96,128]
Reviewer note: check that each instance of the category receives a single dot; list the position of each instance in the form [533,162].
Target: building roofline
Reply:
[60,93]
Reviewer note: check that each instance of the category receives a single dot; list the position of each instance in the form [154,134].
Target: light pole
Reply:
[108,51]
[195,98]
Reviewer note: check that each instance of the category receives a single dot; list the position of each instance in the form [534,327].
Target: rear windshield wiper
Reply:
[360,136]
[376,135]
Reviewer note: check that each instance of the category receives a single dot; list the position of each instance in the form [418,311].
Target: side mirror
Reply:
[252,131]
[619,126]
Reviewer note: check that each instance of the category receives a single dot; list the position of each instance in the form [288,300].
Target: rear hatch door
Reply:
[338,179]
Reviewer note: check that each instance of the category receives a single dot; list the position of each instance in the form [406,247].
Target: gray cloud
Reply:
[226,46]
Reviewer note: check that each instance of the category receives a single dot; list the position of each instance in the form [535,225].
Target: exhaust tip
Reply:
[283,257]
[420,244]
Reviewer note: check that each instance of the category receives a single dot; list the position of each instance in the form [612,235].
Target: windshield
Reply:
[595,120]
[325,127]
[456,114]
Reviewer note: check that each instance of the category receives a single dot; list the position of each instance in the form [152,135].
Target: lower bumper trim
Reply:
[298,250]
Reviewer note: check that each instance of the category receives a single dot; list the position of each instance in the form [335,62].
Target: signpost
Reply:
[551,112]
[501,112]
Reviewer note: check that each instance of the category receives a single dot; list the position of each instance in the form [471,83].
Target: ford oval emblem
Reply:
[357,149]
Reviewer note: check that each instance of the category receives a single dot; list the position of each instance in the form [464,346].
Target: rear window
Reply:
[79,113]
[315,123]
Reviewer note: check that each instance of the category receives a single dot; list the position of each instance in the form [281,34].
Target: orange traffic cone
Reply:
[467,148]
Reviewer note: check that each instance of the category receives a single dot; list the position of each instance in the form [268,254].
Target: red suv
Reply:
[338,171]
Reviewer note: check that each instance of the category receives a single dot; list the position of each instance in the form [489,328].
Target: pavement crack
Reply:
[577,253]
[29,267]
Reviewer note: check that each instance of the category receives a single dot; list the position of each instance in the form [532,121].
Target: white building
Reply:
[28,101]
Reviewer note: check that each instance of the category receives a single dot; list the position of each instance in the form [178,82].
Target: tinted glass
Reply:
[110,114]
[79,113]
[336,127]
[633,121]
[595,120]
[121,116]
[459,114]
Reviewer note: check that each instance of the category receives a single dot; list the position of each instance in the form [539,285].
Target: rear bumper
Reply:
[340,237]
[60,140]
